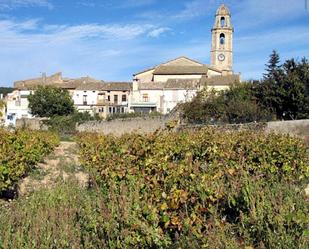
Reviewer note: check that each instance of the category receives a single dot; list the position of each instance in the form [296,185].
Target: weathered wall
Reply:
[122,126]
[295,127]
[225,127]
[150,124]
[32,124]
[145,125]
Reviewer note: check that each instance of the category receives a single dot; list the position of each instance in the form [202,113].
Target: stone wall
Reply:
[298,128]
[225,127]
[145,125]
[32,124]
[122,126]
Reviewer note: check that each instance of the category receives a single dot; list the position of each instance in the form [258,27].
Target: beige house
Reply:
[88,94]
[103,98]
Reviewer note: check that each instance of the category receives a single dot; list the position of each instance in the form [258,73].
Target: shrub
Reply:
[235,105]
[204,189]
[71,217]
[20,151]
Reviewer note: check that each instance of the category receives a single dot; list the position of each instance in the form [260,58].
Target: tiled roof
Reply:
[90,86]
[57,81]
[180,57]
[177,84]
[180,70]
[117,86]
[221,80]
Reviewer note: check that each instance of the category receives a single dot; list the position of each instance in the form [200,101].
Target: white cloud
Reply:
[195,8]
[159,31]
[12,4]
[104,51]
[87,3]
[115,4]
[136,3]
[17,32]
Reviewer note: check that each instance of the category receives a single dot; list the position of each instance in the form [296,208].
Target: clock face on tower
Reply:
[221,57]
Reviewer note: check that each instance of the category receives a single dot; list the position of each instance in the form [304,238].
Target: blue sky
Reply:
[112,39]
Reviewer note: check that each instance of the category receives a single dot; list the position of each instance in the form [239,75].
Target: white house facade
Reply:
[17,106]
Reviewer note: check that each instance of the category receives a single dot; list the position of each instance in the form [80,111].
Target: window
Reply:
[122,109]
[222,21]
[85,100]
[116,99]
[109,110]
[109,98]
[124,98]
[222,39]
[145,97]
[101,97]
[101,110]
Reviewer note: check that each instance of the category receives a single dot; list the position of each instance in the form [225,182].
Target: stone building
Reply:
[222,41]
[162,87]
[89,95]
[105,99]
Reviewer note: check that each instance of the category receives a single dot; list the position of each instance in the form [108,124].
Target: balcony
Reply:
[102,102]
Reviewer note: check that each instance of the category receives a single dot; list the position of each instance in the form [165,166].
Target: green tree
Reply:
[269,92]
[50,101]
[273,67]
[241,106]
[295,100]
[205,107]
[285,88]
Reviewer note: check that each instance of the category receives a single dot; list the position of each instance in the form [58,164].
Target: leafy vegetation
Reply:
[282,94]
[66,125]
[20,151]
[236,105]
[205,189]
[50,101]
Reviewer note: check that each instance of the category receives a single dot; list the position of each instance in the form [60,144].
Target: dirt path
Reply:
[61,165]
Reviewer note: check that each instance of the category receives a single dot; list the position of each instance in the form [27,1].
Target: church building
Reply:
[162,87]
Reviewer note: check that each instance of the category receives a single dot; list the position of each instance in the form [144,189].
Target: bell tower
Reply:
[222,41]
